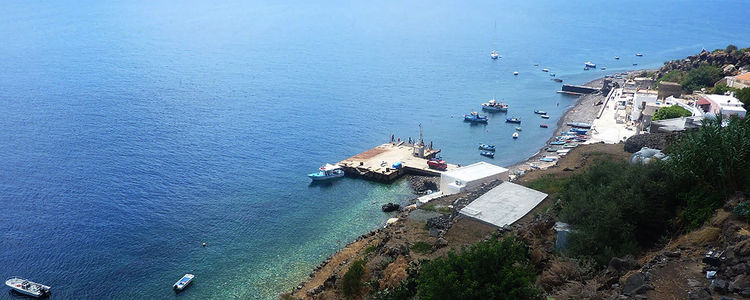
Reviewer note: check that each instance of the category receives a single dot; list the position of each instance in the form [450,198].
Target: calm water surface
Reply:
[133,132]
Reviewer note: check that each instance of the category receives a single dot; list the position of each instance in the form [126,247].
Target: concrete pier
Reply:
[377,163]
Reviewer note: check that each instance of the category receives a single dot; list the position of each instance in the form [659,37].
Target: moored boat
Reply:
[486,147]
[617,57]
[475,117]
[545,116]
[515,73]
[540,112]
[513,120]
[545,70]
[543,125]
[494,54]
[183,282]
[557,80]
[27,287]
[590,64]
[515,135]
[494,106]
[327,172]
[487,153]
[518,128]
[638,54]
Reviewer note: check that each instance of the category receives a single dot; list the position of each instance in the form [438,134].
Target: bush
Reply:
[671,112]
[421,247]
[549,184]
[744,96]
[721,88]
[731,48]
[495,269]
[703,76]
[352,281]
[742,210]
[672,76]
[615,209]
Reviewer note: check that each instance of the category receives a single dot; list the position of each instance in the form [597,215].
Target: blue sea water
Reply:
[132,132]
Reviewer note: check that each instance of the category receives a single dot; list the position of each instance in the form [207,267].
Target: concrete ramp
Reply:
[504,204]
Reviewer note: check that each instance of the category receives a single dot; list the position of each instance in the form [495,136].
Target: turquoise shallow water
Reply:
[133,132]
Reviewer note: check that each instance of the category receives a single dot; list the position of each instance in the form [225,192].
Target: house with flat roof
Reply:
[726,105]
[470,177]
[739,82]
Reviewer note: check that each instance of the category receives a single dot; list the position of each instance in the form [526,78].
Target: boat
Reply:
[590,64]
[536,65]
[548,159]
[604,68]
[638,54]
[494,54]
[26,287]
[552,149]
[552,74]
[183,282]
[515,135]
[540,112]
[513,120]
[586,68]
[487,153]
[573,145]
[326,172]
[557,143]
[545,116]
[579,130]
[437,164]
[543,125]
[545,70]
[519,128]
[563,152]
[475,117]
[515,73]
[617,57]
[486,147]
[494,106]
[557,80]
[579,124]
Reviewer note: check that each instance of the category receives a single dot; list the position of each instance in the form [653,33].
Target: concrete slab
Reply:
[504,204]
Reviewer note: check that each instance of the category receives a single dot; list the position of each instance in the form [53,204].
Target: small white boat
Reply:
[494,54]
[617,57]
[515,135]
[638,54]
[27,287]
[515,73]
[545,70]
[590,64]
[327,172]
[183,282]
[519,129]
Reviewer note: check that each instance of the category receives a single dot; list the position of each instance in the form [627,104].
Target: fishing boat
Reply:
[475,117]
[579,130]
[545,70]
[494,54]
[545,116]
[487,153]
[494,106]
[518,128]
[579,124]
[326,172]
[557,143]
[515,135]
[515,73]
[437,164]
[543,125]
[27,287]
[183,282]
[486,147]
[590,64]
[513,120]
[540,112]
[557,80]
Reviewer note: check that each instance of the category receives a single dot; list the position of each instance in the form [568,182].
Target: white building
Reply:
[470,177]
[721,104]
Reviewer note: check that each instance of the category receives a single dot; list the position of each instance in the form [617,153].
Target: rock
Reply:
[742,249]
[729,70]
[719,285]
[441,242]
[635,284]
[623,264]
[700,294]
[726,298]
[390,207]
[694,283]
[330,281]
[652,140]
[673,254]
[740,283]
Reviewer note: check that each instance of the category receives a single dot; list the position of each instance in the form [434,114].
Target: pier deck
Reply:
[376,163]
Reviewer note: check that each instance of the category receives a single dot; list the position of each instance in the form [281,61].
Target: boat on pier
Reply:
[579,124]
[327,172]
[27,287]
[475,117]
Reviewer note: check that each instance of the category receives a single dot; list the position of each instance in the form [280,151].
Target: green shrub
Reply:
[549,184]
[700,204]
[352,281]
[495,269]
[671,112]
[731,48]
[744,96]
[721,88]
[742,210]
[703,76]
[673,76]
[421,247]
[370,249]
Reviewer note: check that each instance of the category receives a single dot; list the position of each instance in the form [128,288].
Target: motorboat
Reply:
[26,287]
[551,74]
[540,112]
[557,143]
[604,68]
[183,282]
[552,149]
[543,125]
[513,120]
[545,116]
[590,64]
[586,68]
[494,54]
[617,57]
[545,70]
[486,147]
[536,65]
[489,154]
[494,106]
[515,135]
[437,164]
[515,73]
[557,80]
[475,117]
[579,124]
[518,128]
[638,54]
[326,172]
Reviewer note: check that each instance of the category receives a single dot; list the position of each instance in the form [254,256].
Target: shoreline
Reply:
[324,275]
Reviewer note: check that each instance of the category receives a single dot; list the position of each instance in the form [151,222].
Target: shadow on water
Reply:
[322,184]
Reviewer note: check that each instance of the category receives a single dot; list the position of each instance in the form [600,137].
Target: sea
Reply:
[132,132]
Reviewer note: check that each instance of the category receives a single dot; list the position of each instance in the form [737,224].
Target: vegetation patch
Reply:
[352,281]
[370,249]
[549,183]
[671,112]
[421,247]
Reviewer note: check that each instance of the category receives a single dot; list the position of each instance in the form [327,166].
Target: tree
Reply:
[671,112]
[744,96]
[731,48]
[495,269]
[700,77]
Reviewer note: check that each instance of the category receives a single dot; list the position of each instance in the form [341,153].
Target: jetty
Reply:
[577,90]
[376,164]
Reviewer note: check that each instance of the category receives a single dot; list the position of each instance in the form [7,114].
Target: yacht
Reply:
[27,287]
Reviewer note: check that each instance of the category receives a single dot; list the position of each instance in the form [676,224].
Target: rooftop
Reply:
[743,76]
[475,171]
[504,204]
[724,100]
